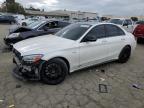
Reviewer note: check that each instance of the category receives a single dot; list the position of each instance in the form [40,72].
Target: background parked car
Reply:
[35,29]
[26,22]
[19,17]
[7,19]
[139,31]
[127,24]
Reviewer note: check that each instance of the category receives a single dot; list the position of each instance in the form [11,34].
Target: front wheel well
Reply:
[65,60]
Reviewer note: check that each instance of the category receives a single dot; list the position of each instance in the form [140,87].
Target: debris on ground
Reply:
[18,86]
[136,86]
[97,70]
[11,106]
[103,88]
[1,100]
[102,79]
[102,70]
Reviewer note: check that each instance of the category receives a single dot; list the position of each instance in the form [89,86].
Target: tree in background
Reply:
[134,19]
[33,9]
[13,8]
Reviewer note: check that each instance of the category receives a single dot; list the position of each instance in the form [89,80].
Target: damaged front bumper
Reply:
[27,71]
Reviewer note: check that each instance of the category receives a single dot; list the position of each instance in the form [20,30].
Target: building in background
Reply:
[77,14]
[64,14]
[47,14]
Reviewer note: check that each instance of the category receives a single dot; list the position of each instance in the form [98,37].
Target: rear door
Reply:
[115,39]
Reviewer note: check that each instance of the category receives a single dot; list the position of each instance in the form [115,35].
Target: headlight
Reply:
[14,35]
[32,58]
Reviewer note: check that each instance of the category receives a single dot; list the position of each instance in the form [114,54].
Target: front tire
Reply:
[125,55]
[54,71]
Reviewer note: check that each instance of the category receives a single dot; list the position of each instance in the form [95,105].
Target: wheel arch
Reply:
[64,59]
[127,46]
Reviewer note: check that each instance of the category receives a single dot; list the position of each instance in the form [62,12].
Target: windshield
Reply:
[73,31]
[116,21]
[35,24]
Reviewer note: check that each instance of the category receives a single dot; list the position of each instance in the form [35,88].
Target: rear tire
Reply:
[54,71]
[125,54]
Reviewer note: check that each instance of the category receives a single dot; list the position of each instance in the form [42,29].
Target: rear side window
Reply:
[112,30]
[98,32]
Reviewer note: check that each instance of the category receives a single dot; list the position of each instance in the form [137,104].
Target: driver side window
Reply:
[49,25]
[98,32]
[46,26]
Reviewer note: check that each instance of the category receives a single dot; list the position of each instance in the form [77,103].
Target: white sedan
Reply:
[27,22]
[51,57]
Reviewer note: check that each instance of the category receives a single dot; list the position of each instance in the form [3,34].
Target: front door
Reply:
[96,51]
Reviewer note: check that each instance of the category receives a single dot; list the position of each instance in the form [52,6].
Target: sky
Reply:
[103,7]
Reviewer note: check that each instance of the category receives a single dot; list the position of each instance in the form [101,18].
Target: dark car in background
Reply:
[139,31]
[38,28]
[7,19]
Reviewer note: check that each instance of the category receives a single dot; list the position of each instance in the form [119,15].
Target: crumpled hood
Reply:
[14,28]
[42,45]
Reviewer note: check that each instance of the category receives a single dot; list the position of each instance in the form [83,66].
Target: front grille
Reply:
[17,54]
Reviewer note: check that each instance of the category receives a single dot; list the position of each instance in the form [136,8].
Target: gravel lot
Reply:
[80,89]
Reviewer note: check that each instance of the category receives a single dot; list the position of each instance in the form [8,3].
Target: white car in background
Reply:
[127,24]
[27,22]
[19,17]
[51,57]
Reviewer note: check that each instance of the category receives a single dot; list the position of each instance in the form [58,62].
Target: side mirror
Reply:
[89,39]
